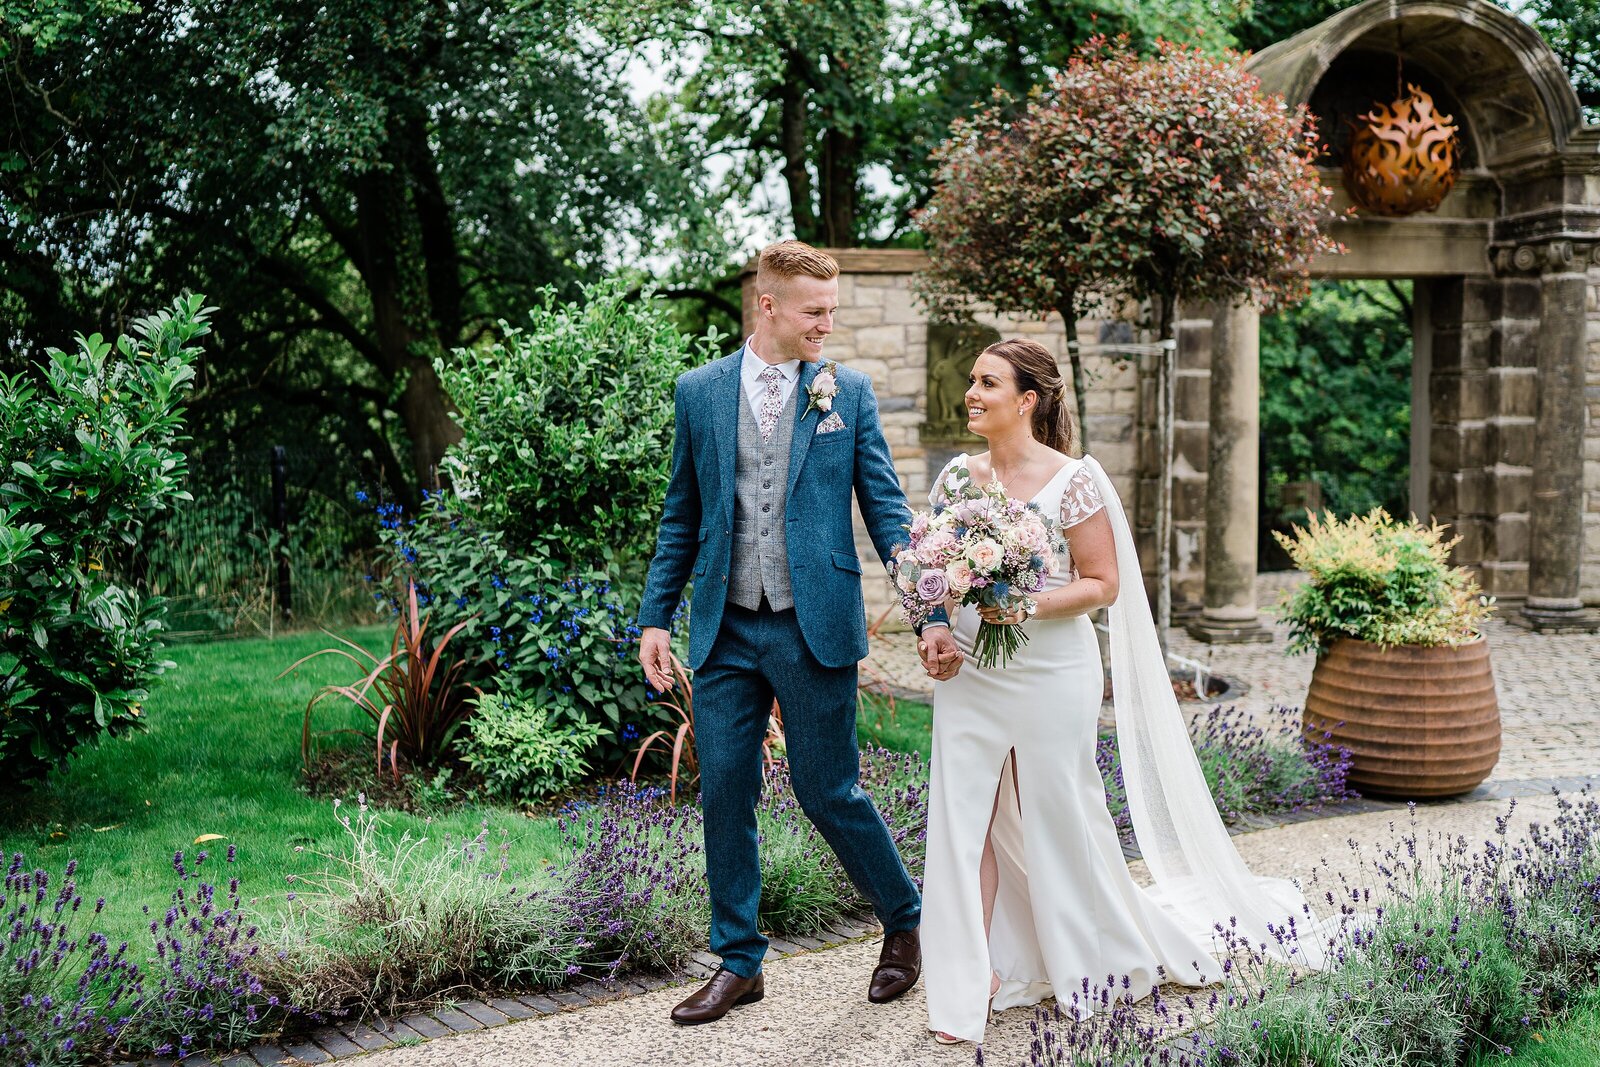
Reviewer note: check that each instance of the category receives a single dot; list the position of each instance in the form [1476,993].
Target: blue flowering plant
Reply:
[533,629]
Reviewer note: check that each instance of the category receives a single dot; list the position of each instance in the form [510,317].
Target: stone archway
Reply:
[1506,320]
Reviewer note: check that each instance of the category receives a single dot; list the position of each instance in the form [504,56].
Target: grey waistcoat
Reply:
[760,560]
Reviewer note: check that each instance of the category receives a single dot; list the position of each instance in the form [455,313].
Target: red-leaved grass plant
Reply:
[415,706]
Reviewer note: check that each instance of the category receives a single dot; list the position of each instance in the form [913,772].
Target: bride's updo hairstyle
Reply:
[1035,368]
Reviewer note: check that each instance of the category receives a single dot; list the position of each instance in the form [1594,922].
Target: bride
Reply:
[1026,892]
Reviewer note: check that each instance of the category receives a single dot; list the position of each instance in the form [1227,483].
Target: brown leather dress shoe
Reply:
[724,992]
[899,965]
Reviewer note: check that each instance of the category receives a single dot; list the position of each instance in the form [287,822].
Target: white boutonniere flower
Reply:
[823,388]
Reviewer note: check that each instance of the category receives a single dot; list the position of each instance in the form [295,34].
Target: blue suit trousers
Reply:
[759,655]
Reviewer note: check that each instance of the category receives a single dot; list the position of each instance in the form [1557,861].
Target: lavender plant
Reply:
[1445,955]
[1253,767]
[803,884]
[68,997]
[630,895]
[202,988]
[55,1006]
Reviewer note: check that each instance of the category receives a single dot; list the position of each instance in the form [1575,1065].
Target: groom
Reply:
[766,453]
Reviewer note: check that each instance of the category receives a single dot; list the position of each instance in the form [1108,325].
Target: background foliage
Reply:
[1336,398]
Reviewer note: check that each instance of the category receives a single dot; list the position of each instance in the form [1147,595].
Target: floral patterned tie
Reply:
[771,401]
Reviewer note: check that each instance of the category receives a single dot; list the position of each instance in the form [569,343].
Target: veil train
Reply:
[1198,875]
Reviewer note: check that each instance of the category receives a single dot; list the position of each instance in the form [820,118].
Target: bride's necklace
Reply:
[994,468]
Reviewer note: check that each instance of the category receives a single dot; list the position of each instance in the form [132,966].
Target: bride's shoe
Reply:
[946,1039]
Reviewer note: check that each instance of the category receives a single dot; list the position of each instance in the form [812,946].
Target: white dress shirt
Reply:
[754,388]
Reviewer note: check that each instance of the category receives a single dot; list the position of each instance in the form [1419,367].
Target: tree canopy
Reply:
[362,185]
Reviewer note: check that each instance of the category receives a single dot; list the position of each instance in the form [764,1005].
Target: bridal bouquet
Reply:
[982,548]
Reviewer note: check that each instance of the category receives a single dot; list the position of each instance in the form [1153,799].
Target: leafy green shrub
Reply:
[557,485]
[1336,395]
[567,426]
[1376,579]
[87,456]
[520,752]
[562,640]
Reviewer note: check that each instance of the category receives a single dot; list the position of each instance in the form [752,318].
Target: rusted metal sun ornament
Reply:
[1402,156]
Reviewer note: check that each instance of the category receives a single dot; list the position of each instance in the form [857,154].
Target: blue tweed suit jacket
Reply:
[696,536]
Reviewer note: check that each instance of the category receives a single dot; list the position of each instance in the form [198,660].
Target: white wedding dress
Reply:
[1067,911]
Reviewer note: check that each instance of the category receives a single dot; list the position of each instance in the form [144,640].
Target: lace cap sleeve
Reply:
[937,495]
[1080,499]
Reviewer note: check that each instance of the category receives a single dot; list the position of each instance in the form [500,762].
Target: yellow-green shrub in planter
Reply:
[1403,677]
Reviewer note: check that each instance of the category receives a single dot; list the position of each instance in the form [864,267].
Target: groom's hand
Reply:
[941,658]
[655,656]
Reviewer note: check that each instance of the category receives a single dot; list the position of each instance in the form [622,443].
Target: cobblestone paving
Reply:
[1549,686]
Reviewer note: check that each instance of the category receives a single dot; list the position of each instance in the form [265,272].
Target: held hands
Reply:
[655,656]
[940,656]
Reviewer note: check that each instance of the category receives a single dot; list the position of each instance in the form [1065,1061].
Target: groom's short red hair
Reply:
[792,259]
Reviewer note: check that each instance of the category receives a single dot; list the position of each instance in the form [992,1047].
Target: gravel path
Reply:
[816,1012]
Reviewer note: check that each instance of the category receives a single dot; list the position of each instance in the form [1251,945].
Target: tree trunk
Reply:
[1068,309]
[401,320]
[792,121]
[1166,404]
[841,166]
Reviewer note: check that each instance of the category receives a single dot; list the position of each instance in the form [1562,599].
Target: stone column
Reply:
[1233,489]
[1556,548]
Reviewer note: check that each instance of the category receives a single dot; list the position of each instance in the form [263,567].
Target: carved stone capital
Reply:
[1544,257]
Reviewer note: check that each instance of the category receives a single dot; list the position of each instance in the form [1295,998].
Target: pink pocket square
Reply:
[832,424]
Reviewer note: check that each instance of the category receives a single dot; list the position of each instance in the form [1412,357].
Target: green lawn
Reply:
[222,756]
[908,729]
[1573,1041]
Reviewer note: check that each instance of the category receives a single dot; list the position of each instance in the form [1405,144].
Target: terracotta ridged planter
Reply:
[1419,721]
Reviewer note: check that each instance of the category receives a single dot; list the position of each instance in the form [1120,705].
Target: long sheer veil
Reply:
[1198,874]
